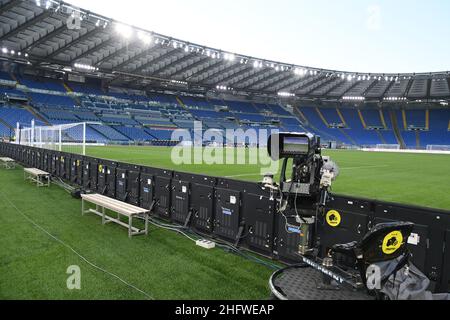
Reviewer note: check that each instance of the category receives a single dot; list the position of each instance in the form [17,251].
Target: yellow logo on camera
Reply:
[333,218]
[392,242]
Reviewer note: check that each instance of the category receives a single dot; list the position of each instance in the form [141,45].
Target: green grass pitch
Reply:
[418,179]
[166,265]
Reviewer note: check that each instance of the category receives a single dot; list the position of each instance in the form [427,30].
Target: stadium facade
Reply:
[62,64]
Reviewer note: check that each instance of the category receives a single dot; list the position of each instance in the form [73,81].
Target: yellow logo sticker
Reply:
[78,163]
[333,218]
[392,242]
[100,168]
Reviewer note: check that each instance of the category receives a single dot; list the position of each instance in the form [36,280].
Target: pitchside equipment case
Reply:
[245,214]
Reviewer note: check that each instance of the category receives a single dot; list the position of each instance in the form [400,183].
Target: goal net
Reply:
[388,146]
[65,137]
[433,147]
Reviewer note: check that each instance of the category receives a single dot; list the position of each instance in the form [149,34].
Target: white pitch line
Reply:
[364,167]
[244,175]
[347,168]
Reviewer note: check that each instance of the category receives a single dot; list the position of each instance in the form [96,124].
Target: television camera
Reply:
[306,192]
[302,201]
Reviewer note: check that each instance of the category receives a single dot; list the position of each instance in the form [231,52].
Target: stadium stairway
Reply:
[348,136]
[301,116]
[383,120]
[341,116]
[13,76]
[361,117]
[405,122]
[383,140]
[6,124]
[68,89]
[396,129]
[181,103]
[37,115]
[322,117]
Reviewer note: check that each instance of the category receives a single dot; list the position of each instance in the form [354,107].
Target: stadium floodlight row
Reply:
[53,35]
[62,65]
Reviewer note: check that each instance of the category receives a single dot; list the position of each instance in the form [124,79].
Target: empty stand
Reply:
[439,88]
[398,89]
[419,88]
[123,115]
[378,89]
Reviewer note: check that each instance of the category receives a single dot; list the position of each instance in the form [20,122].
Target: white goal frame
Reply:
[52,137]
[388,146]
[435,147]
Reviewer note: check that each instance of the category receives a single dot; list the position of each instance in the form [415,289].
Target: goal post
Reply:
[433,147]
[388,146]
[70,137]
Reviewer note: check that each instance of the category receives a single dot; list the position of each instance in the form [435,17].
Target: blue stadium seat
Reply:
[323,130]
[134,133]
[356,131]
[240,106]
[160,134]
[59,114]
[12,115]
[77,134]
[43,84]
[110,133]
[5,76]
[48,99]
[197,103]
[5,131]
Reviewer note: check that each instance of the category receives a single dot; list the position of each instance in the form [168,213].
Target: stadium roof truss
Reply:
[54,35]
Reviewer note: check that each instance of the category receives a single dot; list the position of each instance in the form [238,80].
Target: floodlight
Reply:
[124,30]
[144,37]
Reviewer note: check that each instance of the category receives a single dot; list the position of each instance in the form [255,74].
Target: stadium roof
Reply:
[55,35]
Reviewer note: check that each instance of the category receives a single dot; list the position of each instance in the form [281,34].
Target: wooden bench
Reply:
[8,163]
[41,178]
[121,208]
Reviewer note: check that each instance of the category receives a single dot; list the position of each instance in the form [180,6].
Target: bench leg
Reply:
[130,226]
[146,224]
[103,216]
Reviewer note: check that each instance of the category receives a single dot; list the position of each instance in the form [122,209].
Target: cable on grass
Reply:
[148,296]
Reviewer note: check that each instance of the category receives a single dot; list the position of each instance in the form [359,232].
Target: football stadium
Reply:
[138,166]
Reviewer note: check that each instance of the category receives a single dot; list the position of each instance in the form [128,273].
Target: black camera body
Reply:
[293,145]
[305,192]
[305,151]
